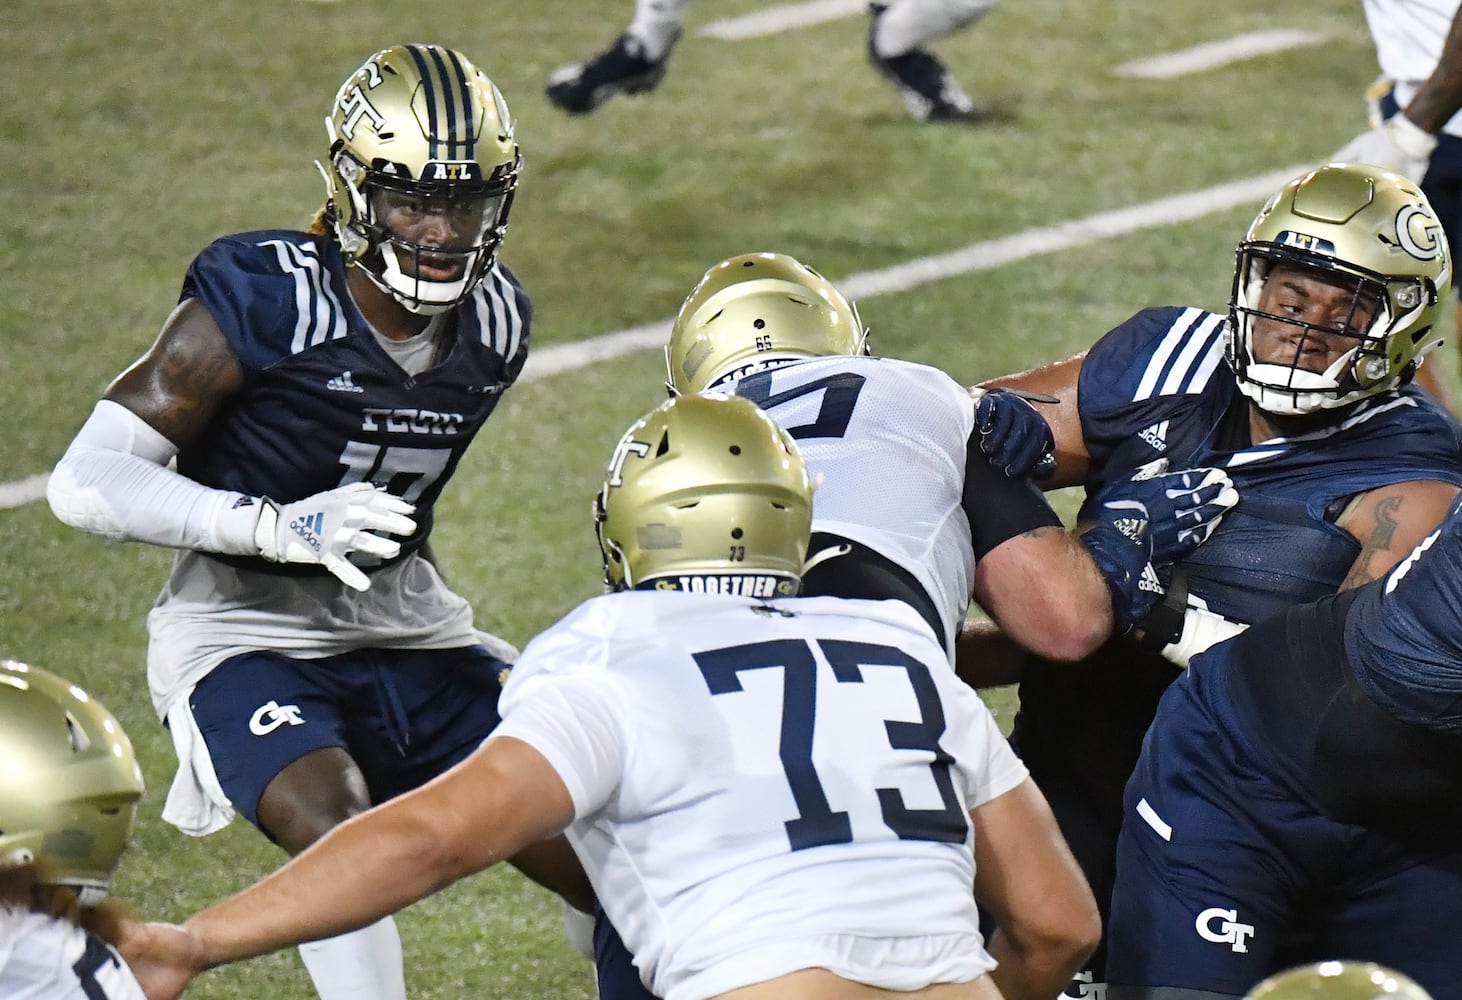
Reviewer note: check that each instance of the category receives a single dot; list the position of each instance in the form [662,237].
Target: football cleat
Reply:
[930,92]
[623,68]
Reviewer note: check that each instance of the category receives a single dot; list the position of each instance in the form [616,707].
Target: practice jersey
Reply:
[1158,387]
[760,788]
[888,439]
[322,404]
[43,958]
[1409,35]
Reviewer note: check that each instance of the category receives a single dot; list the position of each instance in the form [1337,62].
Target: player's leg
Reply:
[1204,880]
[635,63]
[276,739]
[1403,909]
[898,33]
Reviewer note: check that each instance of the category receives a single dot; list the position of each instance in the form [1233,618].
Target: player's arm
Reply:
[1064,418]
[984,656]
[1033,577]
[492,805]
[114,479]
[1391,521]
[1027,879]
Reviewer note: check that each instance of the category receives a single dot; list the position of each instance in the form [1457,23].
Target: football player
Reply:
[776,796]
[1338,981]
[70,790]
[898,32]
[1416,128]
[1304,774]
[316,390]
[1301,394]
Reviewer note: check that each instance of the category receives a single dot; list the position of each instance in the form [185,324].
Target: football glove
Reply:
[326,528]
[1151,518]
[1015,438]
[1398,144]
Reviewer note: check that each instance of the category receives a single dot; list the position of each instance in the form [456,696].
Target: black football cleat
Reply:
[579,88]
[929,91]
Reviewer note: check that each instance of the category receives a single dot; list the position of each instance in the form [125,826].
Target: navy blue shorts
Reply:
[1221,862]
[405,716]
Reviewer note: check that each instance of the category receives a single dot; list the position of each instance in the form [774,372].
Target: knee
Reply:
[302,804]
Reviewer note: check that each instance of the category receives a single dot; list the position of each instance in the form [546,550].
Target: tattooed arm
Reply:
[114,479]
[1391,521]
[179,384]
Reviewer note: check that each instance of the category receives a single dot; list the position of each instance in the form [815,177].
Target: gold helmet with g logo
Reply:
[69,781]
[1339,981]
[753,310]
[418,127]
[705,493]
[1360,228]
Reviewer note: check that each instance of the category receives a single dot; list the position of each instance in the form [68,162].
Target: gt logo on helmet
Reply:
[1419,233]
[354,105]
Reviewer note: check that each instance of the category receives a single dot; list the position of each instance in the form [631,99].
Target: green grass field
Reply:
[134,133]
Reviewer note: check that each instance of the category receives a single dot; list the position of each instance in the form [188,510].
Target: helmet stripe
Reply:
[444,88]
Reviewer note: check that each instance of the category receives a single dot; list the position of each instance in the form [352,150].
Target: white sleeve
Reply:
[574,723]
[985,753]
[114,481]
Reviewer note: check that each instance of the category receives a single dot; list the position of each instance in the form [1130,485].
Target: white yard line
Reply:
[1215,54]
[775,20]
[984,256]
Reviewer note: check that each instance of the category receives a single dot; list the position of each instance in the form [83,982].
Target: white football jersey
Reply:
[889,440]
[1409,35]
[766,787]
[42,958]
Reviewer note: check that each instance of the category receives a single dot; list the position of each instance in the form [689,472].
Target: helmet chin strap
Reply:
[1289,392]
[395,282]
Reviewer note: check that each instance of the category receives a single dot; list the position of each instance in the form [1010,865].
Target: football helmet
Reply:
[69,781]
[705,493]
[753,311]
[1358,228]
[420,131]
[1339,981]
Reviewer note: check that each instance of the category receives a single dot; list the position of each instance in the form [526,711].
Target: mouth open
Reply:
[440,267]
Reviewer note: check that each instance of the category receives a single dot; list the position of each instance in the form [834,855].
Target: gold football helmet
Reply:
[751,311]
[1339,981]
[419,130]
[705,493]
[69,781]
[1362,229]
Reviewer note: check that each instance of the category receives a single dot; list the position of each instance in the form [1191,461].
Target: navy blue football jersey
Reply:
[1158,387]
[323,405]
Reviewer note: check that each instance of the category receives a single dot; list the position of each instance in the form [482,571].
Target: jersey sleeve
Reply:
[271,293]
[513,330]
[574,722]
[1128,375]
[989,766]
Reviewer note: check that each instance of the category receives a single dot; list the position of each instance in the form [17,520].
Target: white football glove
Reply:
[1397,144]
[325,528]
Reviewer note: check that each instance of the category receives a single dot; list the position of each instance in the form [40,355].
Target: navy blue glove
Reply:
[1151,517]
[1015,438]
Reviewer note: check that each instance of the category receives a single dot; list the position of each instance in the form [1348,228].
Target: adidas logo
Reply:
[1156,436]
[1135,528]
[1149,581]
[309,528]
[343,383]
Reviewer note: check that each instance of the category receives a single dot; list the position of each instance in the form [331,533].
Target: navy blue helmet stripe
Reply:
[462,121]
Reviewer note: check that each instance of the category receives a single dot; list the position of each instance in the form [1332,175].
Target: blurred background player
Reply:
[317,390]
[826,854]
[1304,775]
[69,786]
[1338,981]
[898,32]
[1415,126]
[1302,397]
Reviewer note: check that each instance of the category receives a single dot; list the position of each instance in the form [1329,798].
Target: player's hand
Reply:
[1398,144]
[326,528]
[163,957]
[1183,507]
[1015,438]
[1151,517]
